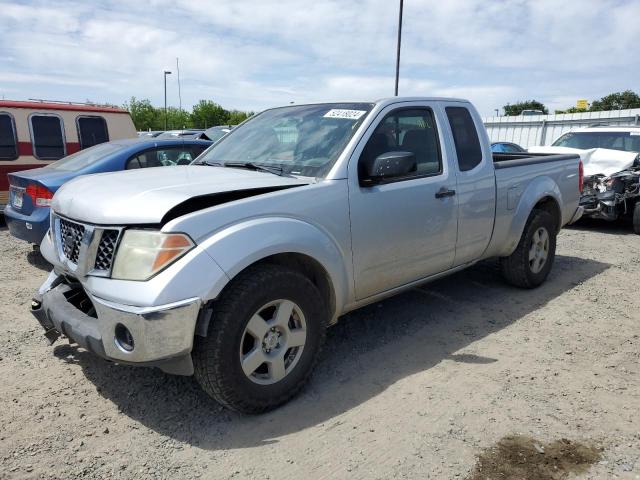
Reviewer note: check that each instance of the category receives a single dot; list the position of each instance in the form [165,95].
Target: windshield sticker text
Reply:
[346,114]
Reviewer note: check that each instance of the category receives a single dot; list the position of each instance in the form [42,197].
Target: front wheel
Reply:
[263,341]
[529,265]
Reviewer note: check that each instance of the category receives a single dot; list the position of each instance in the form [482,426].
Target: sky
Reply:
[254,54]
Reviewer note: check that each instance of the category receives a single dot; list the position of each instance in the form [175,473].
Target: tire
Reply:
[257,295]
[519,268]
[636,217]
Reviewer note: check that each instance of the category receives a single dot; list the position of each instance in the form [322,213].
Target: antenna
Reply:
[179,92]
[398,48]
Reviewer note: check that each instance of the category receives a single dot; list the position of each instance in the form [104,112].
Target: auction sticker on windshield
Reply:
[347,114]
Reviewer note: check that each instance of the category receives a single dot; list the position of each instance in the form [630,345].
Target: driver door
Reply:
[403,229]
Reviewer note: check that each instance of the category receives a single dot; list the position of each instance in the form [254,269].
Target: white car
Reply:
[611,158]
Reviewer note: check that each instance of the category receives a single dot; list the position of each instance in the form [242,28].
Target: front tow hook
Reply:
[50,332]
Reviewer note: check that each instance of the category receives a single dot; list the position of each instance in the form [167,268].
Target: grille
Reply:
[106,249]
[70,237]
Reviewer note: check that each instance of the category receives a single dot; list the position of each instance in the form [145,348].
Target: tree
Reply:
[572,110]
[144,115]
[177,119]
[237,116]
[517,108]
[207,113]
[204,114]
[616,101]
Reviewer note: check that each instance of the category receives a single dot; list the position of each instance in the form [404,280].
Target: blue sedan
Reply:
[31,191]
[506,147]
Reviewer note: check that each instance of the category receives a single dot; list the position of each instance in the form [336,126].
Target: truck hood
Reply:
[146,196]
[595,160]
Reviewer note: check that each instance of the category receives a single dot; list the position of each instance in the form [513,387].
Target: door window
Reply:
[92,131]
[47,137]
[198,149]
[8,142]
[162,157]
[408,130]
[465,137]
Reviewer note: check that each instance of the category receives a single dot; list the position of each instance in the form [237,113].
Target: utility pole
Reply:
[166,72]
[398,50]
[179,91]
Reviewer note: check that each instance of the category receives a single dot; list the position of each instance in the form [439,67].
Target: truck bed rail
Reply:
[508,160]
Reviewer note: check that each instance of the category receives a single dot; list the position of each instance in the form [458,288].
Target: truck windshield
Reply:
[624,141]
[303,140]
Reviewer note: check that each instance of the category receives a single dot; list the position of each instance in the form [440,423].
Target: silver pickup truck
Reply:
[232,268]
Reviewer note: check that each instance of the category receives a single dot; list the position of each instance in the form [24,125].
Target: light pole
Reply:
[166,72]
[497,112]
[398,49]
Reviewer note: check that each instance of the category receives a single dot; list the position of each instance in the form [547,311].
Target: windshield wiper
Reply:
[257,166]
[211,164]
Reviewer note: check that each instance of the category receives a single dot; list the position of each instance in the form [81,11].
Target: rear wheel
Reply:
[529,265]
[263,340]
[636,217]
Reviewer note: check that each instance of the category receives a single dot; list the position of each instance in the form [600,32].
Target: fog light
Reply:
[123,338]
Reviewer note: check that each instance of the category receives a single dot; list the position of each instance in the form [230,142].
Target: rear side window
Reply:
[465,137]
[163,157]
[8,142]
[47,137]
[92,131]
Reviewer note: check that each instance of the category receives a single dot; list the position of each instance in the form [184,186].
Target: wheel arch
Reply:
[543,193]
[550,205]
[310,268]
[289,242]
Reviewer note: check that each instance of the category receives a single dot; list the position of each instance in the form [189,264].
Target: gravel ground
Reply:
[417,386]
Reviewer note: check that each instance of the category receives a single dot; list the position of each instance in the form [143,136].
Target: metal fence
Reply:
[534,130]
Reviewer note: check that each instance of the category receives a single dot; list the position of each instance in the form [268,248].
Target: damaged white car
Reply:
[611,159]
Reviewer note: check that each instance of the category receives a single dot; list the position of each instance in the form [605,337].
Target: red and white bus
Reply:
[36,133]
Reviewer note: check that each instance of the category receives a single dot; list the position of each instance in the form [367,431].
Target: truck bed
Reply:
[522,177]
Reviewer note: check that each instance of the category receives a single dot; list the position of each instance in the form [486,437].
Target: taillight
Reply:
[580,176]
[40,196]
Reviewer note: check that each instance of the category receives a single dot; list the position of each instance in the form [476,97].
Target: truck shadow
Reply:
[618,227]
[36,259]
[365,353]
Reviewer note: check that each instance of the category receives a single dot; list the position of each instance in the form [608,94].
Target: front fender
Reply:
[243,244]
[536,190]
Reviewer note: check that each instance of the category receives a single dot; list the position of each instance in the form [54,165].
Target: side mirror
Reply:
[391,165]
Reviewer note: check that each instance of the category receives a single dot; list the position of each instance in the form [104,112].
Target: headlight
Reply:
[143,253]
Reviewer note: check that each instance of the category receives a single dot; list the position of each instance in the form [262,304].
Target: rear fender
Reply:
[241,245]
[537,190]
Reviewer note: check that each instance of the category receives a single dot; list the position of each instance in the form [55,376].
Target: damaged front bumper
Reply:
[609,198]
[160,336]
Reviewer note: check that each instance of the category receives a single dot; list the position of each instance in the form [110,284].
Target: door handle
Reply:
[445,192]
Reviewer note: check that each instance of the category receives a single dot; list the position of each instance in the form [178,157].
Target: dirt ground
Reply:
[418,386]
